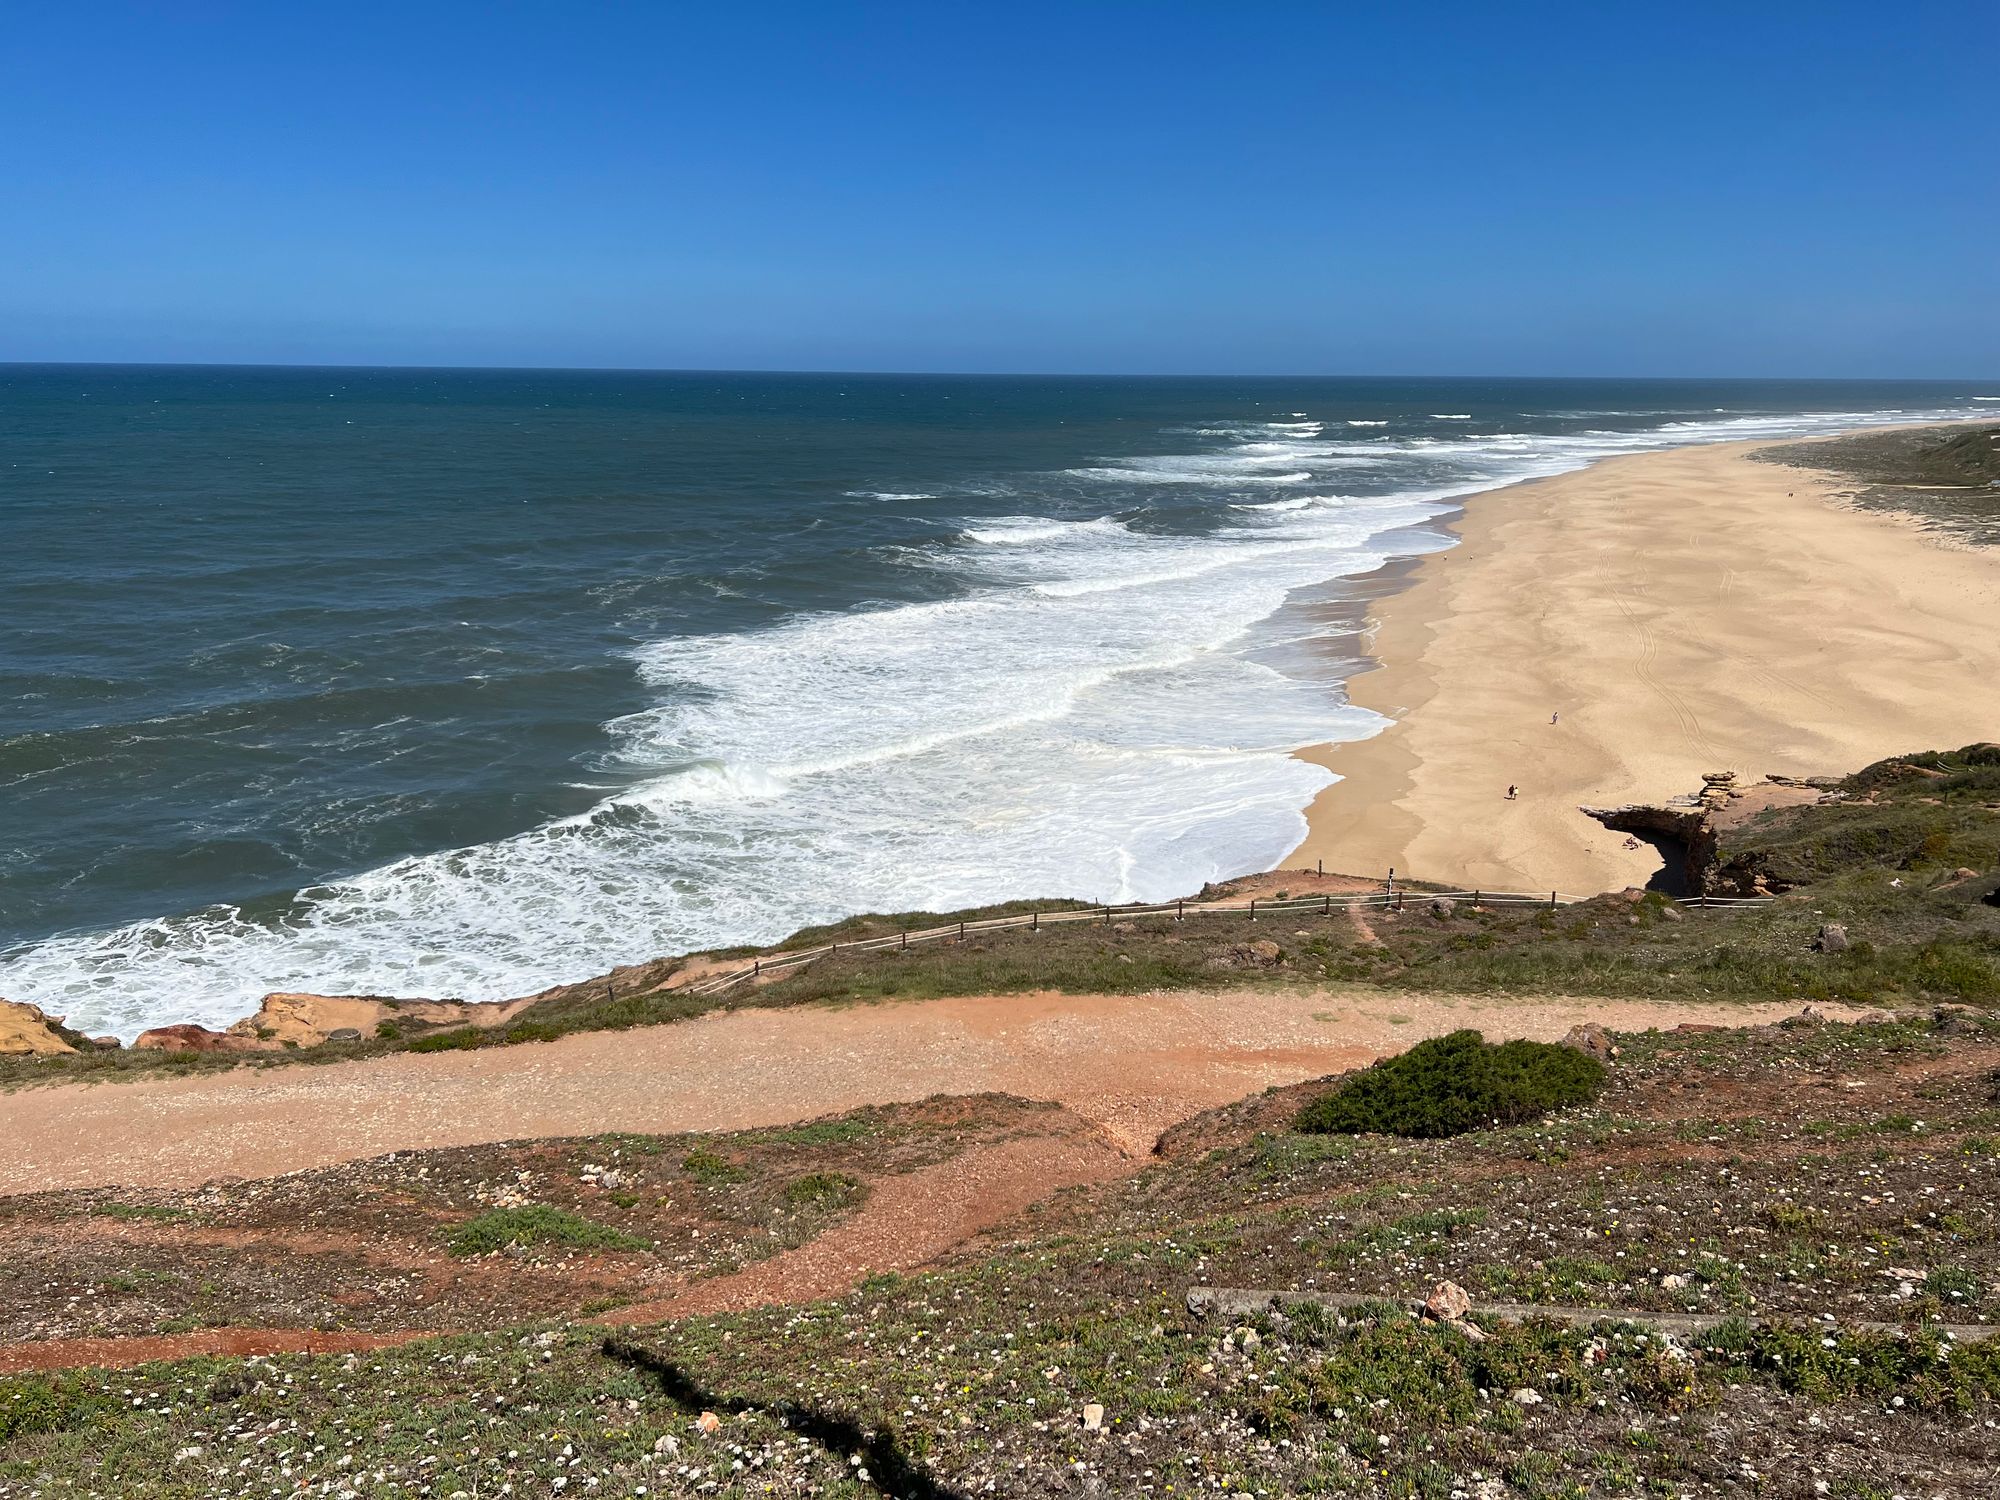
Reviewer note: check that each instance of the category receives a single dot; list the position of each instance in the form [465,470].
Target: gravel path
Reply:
[1133,1064]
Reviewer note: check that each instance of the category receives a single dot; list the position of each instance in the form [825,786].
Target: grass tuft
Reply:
[536,1224]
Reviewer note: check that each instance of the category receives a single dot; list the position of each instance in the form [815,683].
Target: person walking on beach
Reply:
[1554,716]
[1512,791]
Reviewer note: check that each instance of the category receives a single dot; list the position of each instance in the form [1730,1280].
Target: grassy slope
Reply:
[1948,478]
[1780,1173]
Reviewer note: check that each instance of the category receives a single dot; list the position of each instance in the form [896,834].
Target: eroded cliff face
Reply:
[1698,824]
[286,1019]
[29,1031]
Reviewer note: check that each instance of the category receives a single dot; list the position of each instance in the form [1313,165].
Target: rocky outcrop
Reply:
[1696,824]
[1592,1040]
[290,1019]
[1684,823]
[29,1031]
[286,1019]
[192,1038]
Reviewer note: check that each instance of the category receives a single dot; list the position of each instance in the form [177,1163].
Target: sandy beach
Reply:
[1681,612]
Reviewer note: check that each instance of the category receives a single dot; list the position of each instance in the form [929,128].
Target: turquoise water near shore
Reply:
[469,682]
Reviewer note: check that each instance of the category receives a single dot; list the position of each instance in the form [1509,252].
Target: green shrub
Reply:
[822,1190]
[707,1166]
[48,1403]
[462,1039]
[1452,1084]
[536,1224]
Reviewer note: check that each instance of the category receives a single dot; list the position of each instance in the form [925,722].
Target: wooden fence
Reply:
[1391,896]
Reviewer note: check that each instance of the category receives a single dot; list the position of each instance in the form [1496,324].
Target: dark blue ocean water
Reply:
[470,682]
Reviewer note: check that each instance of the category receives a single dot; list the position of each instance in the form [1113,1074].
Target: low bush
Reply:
[49,1403]
[1452,1084]
[537,1224]
[711,1168]
[822,1190]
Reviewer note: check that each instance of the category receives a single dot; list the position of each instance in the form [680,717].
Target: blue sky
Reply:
[1691,189]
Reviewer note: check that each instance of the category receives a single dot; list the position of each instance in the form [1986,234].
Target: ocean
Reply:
[431,682]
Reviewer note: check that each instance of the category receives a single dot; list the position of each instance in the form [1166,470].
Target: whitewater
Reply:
[1096,705]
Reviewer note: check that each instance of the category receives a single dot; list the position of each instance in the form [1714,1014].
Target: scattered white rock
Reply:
[1093,1417]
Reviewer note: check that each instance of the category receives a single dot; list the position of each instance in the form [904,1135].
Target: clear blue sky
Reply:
[1774,188]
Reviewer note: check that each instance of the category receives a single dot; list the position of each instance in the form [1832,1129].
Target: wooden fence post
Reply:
[757,967]
[1552,900]
[1253,908]
[1034,921]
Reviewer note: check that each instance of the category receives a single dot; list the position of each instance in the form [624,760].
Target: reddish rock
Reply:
[1448,1302]
[191,1038]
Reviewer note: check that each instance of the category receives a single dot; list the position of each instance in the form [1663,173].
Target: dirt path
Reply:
[1133,1064]
[235,1343]
[908,1221]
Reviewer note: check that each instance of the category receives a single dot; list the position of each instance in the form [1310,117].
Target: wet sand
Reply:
[1131,1064]
[1682,612]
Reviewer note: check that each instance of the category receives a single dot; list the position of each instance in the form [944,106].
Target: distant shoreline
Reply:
[1680,611]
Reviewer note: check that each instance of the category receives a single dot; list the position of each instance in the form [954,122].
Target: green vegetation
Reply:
[1731,1173]
[1949,477]
[536,1224]
[711,1168]
[1913,814]
[823,1190]
[1452,1084]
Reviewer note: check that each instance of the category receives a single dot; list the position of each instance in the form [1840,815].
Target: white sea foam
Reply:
[1359,422]
[884,495]
[1016,531]
[1095,713]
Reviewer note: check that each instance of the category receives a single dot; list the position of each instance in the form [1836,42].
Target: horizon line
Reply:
[499,369]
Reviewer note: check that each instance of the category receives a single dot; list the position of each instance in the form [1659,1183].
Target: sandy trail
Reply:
[909,1220]
[228,1343]
[1684,611]
[1131,1064]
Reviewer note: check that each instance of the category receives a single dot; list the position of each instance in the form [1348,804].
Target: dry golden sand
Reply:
[1131,1064]
[1683,612]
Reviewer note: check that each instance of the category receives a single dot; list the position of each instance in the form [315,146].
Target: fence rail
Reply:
[1391,896]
